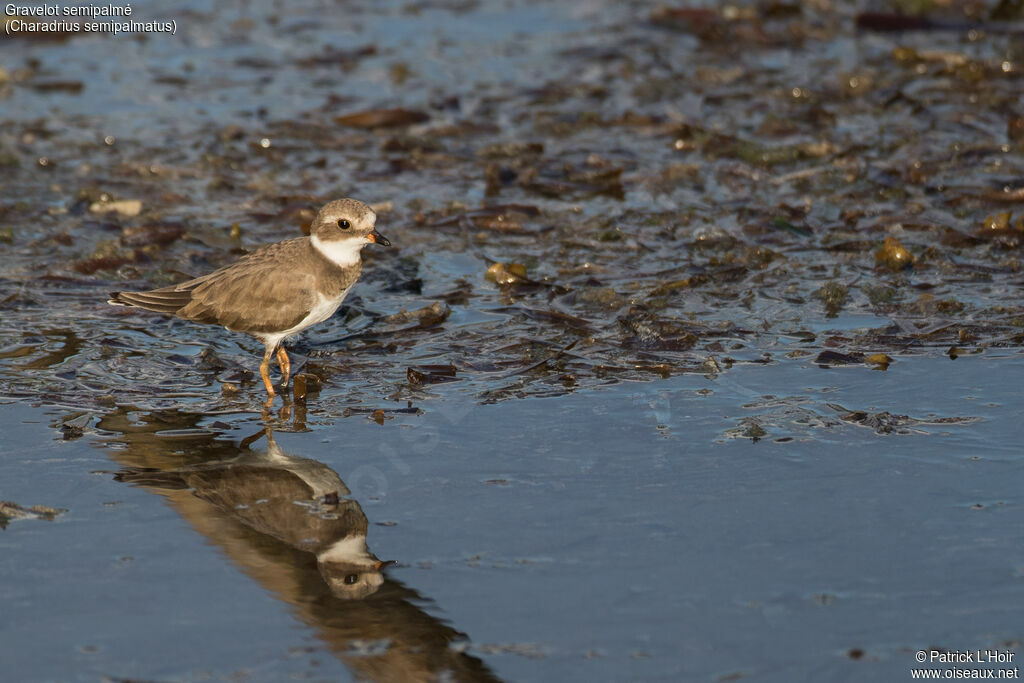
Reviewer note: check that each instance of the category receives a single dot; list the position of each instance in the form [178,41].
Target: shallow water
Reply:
[638,540]
[752,412]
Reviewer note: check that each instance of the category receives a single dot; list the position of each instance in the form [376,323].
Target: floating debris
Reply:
[428,316]
[335,57]
[645,330]
[431,374]
[124,207]
[67,87]
[833,295]
[507,274]
[828,358]
[382,118]
[887,423]
[150,235]
[893,255]
[881,360]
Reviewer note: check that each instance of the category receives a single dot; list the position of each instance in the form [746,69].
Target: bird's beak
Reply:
[380,239]
[380,564]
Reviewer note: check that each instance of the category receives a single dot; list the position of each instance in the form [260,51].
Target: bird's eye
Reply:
[351,578]
[344,224]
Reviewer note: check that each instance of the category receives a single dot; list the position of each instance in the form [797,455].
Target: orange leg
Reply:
[285,364]
[265,372]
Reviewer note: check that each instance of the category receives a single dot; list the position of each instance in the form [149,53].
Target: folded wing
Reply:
[257,294]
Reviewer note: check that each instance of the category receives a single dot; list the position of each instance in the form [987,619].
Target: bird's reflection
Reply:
[286,521]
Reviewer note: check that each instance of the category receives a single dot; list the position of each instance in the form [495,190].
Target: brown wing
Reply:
[262,292]
[257,293]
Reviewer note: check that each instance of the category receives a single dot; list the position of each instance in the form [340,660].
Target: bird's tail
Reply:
[166,300]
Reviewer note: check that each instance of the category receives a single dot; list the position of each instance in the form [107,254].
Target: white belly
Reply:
[323,310]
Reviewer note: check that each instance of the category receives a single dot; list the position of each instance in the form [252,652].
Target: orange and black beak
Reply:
[380,239]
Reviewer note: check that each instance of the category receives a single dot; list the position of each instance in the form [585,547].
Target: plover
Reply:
[277,290]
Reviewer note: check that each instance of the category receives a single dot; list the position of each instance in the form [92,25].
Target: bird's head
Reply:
[342,228]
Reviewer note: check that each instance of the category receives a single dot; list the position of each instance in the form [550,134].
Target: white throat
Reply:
[343,253]
[350,549]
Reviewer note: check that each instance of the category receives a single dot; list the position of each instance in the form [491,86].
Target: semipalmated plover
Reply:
[277,290]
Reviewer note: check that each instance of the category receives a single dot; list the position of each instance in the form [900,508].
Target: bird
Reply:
[277,290]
